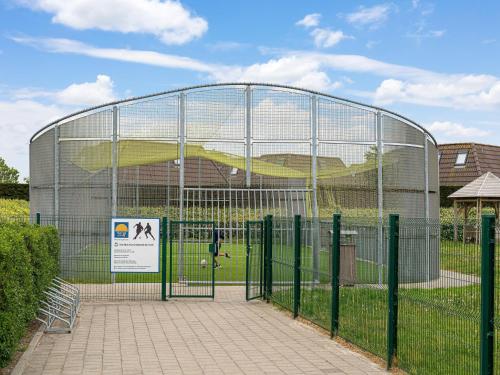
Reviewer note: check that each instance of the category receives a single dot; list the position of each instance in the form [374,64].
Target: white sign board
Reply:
[135,245]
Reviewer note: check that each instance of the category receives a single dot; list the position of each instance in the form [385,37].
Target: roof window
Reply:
[461,159]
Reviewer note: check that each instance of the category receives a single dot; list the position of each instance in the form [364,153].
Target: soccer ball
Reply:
[203,263]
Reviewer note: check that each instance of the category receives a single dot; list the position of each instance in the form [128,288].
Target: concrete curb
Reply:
[25,358]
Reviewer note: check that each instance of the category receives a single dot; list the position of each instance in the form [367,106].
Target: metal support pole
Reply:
[114,164]
[248,138]
[164,227]
[487,329]
[392,323]
[57,168]
[427,207]
[182,133]
[380,196]
[335,274]
[296,266]
[314,173]
[114,171]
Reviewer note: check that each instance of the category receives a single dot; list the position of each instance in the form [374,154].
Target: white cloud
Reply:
[324,38]
[372,16]
[88,93]
[58,45]
[226,46]
[422,32]
[291,70]
[451,131]
[312,70]
[454,91]
[76,94]
[310,20]
[168,19]
[19,120]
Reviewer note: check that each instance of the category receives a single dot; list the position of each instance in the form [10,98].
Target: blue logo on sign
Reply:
[121,230]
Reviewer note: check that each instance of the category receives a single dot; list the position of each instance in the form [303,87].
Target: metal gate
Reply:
[255,259]
[231,208]
[191,259]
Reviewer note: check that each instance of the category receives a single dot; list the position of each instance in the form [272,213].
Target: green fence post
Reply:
[487,294]
[247,271]
[392,323]
[171,270]
[296,265]
[268,256]
[38,220]
[164,259]
[261,259]
[334,329]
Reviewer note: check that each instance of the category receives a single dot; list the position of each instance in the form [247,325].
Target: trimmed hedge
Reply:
[15,191]
[29,260]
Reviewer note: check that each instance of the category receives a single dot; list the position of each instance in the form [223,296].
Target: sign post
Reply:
[135,245]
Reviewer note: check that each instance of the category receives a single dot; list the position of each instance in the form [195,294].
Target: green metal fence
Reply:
[426,317]
[255,259]
[381,287]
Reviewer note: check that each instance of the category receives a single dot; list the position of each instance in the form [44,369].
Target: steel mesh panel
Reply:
[224,165]
[42,200]
[216,114]
[95,125]
[287,164]
[315,277]
[396,131]
[341,122]
[280,115]
[347,178]
[42,160]
[406,204]
[404,181]
[85,163]
[83,189]
[151,188]
[282,262]
[363,309]
[439,318]
[155,118]
[404,168]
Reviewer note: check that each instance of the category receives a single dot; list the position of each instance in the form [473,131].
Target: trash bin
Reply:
[347,275]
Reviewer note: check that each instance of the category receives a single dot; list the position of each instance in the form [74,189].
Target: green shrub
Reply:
[29,258]
[14,208]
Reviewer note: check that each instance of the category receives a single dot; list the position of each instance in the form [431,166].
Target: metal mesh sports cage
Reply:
[229,153]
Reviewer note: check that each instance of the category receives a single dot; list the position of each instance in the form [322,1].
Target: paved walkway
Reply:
[225,336]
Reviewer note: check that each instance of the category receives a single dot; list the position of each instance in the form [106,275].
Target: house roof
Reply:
[486,186]
[481,158]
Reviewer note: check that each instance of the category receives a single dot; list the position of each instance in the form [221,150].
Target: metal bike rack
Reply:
[61,305]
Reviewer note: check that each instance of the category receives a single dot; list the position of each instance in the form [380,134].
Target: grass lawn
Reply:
[437,332]
[460,257]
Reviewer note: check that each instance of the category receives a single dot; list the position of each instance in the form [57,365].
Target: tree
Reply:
[8,174]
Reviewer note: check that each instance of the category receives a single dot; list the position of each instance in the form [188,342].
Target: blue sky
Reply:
[434,62]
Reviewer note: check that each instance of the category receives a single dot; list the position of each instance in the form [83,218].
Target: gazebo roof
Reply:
[486,186]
